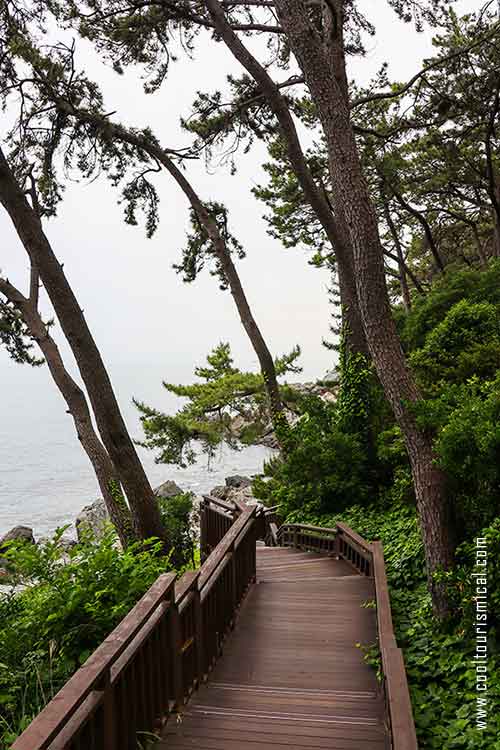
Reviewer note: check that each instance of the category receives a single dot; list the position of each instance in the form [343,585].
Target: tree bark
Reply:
[335,227]
[76,402]
[114,434]
[351,197]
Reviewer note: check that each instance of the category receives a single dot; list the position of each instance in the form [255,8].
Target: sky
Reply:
[148,325]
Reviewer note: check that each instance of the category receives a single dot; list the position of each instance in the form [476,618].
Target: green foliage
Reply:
[325,439]
[440,668]
[465,343]
[438,656]
[472,285]
[454,337]
[15,337]
[176,518]
[69,601]
[311,474]
[222,394]
[199,248]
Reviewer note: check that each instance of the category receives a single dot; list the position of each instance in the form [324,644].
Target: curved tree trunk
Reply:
[351,196]
[76,402]
[335,227]
[249,323]
[114,434]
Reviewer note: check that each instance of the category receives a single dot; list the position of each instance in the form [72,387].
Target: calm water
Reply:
[45,478]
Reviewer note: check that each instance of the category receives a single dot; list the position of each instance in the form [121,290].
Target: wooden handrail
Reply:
[160,652]
[97,669]
[210,565]
[398,699]
[221,503]
[342,528]
[307,527]
[368,559]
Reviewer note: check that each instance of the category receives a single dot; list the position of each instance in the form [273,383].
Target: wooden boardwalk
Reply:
[256,650]
[291,675]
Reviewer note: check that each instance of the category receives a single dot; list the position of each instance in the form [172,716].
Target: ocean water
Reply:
[45,477]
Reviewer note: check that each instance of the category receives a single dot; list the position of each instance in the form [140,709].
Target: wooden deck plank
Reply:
[291,675]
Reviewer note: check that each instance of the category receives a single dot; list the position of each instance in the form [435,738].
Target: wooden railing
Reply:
[216,518]
[368,560]
[160,652]
[302,536]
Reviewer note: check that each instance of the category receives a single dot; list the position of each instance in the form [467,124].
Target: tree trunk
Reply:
[231,274]
[77,406]
[335,227]
[351,197]
[249,323]
[429,237]
[114,434]
[405,292]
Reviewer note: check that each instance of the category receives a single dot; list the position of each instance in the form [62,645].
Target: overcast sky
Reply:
[148,325]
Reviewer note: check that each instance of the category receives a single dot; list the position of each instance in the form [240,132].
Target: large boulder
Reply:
[242,495]
[168,489]
[18,533]
[93,518]
[237,481]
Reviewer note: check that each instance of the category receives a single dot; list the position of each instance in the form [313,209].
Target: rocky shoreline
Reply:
[94,517]
[326,390]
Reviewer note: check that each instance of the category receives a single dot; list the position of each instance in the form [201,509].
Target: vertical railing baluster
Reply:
[110,739]
[176,653]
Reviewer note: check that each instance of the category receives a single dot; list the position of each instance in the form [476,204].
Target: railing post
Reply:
[295,537]
[110,719]
[176,650]
[254,558]
[203,530]
[198,634]
[234,582]
[337,543]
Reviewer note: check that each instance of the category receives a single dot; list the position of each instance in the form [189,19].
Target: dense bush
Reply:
[429,310]
[70,602]
[312,476]
[176,513]
[348,462]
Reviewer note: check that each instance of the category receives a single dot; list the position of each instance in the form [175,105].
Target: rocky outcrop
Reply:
[326,390]
[237,488]
[237,482]
[93,518]
[168,489]
[18,533]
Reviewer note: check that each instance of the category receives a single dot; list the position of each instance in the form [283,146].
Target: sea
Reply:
[46,478]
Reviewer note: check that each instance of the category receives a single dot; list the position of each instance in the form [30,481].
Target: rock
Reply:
[94,518]
[221,491]
[237,481]
[269,441]
[242,494]
[18,533]
[238,424]
[329,397]
[332,376]
[168,489]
